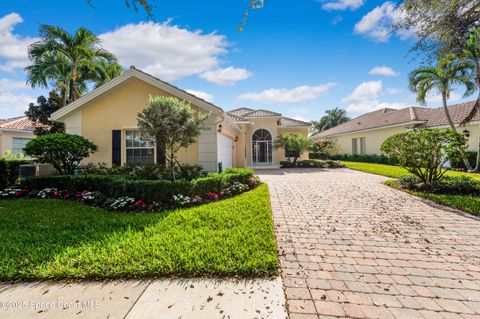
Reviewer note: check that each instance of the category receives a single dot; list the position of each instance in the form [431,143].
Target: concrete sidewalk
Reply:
[164,298]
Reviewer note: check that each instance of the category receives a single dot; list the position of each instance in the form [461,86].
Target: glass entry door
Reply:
[262,147]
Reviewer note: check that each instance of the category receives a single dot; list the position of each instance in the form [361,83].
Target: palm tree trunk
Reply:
[450,122]
[477,108]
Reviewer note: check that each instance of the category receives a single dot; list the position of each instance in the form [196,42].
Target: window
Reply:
[139,150]
[362,145]
[354,146]
[18,144]
[358,145]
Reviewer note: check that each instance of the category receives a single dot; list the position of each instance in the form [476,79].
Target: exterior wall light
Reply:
[236,139]
[220,127]
[466,133]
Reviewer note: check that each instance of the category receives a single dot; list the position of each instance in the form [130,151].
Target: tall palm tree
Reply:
[472,54]
[331,119]
[449,72]
[72,60]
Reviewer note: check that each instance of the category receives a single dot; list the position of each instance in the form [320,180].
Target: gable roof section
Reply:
[241,111]
[21,123]
[288,122]
[261,113]
[418,116]
[133,72]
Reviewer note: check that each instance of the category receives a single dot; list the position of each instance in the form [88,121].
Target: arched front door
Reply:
[262,147]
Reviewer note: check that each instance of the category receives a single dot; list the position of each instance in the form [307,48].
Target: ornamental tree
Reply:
[293,145]
[64,151]
[172,124]
[424,152]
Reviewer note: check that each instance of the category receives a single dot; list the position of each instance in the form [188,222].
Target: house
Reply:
[366,133]
[108,117]
[15,133]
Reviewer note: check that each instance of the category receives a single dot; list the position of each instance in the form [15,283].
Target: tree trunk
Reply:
[477,107]
[452,126]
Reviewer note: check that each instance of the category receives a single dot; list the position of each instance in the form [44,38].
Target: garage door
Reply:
[225,151]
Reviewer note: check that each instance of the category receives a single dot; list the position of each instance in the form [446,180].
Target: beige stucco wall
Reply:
[117,110]
[6,139]
[375,138]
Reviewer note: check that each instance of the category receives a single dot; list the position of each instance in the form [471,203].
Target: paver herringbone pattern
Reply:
[352,247]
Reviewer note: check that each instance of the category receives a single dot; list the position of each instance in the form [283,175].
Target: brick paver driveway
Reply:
[353,247]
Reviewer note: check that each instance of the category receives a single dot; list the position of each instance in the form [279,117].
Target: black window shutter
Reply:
[116,147]
[160,156]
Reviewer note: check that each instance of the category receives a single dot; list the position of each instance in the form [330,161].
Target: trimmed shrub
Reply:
[3,174]
[312,163]
[365,158]
[161,191]
[449,185]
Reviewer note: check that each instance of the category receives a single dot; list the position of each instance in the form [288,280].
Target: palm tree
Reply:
[68,61]
[331,119]
[448,73]
[472,54]
[293,145]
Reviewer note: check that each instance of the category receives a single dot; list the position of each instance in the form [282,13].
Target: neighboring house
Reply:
[108,117]
[15,133]
[366,133]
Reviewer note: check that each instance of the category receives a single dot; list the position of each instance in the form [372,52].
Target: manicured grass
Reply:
[466,203]
[396,171]
[52,239]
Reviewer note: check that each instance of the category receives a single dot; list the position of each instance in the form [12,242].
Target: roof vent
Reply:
[132,67]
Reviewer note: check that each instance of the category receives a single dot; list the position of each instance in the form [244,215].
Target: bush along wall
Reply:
[10,170]
[312,163]
[119,192]
[365,158]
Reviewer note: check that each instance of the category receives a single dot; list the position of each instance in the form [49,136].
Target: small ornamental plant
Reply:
[181,200]
[46,193]
[122,203]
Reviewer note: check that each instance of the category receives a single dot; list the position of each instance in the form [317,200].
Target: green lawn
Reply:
[469,204]
[396,171]
[44,239]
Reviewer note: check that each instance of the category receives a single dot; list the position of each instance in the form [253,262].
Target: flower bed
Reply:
[123,194]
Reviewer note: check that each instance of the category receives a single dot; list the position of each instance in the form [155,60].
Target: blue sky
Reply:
[298,59]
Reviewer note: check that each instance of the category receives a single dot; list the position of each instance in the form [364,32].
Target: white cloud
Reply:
[383,70]
[288,96]
[10,85]
[164,50]
[227,76]
[203,95]
[13,47]
[14,105]
[337,20]
[364,99]
[393,91]
[342,4]
[377,24]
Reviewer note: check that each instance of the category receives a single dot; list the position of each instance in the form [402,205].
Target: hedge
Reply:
[365,158]
[9,170]
[160,191]
[312,163]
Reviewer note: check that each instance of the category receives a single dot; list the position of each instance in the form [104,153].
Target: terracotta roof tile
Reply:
[386,117]
[237,118]
[286,121]
[17,123]
[240,111]
[262,113]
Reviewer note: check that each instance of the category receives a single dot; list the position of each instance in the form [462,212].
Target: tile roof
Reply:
[420,116]
[286,121]
[243,114]
[240,111]
[17,123]
[247,112]
[237,118]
